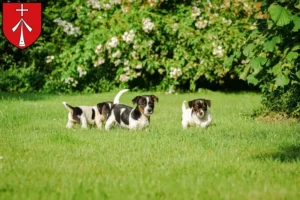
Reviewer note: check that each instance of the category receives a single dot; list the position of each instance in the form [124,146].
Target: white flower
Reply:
[69,80]
[125,9]
[161,70]
[124,78]
[116,54]
[137,74]
[175,27]
[112,43]
[75,83]
[80,71]
[152,3]
[99,49]
[117,62]
[253,26]
[100,61]
[115,2]
[68,27]
[147,25]
[106,6]
[49,59]
[219,52]
[128,37]
[201,24]
[139,66]
[126,62]
[136,46]
[134,55]
[95,4]
[175,72]
[150,43]
[195,12]
[224,21]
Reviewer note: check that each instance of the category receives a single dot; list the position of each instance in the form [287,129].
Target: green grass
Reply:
[237,157]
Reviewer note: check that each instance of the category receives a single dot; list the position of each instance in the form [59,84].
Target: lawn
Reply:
[237,157]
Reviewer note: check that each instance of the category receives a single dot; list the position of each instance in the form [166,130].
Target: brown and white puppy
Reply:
[132,118]
[88,115]
[197,114]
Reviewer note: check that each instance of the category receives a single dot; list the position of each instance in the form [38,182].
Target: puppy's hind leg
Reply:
[70,124]
[83,122]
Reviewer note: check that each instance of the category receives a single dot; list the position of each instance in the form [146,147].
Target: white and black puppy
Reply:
[88,115]
[197,114]
[132,118]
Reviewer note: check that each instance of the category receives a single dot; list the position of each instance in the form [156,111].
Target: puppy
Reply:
[132,118]
[85,115]
[197,114]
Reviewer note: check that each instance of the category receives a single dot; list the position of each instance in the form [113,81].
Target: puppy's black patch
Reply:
[93,113]
[124,116]
[199,104]
[76,113]
[136,114]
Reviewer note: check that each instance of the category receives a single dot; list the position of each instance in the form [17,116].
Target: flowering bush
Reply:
[96,45]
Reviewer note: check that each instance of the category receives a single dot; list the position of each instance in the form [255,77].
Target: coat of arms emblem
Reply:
[22,23]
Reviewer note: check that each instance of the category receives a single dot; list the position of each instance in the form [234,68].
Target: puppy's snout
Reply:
[150,110]
[201,112]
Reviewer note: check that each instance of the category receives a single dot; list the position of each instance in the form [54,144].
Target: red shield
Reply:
[22,23]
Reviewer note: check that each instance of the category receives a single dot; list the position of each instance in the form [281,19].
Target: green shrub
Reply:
[270,57]
[283,100]
[94,45]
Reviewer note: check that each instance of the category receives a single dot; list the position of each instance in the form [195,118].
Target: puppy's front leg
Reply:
[184,124]
[98,122]
[108,123]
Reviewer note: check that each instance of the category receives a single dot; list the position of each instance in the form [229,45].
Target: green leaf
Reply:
[282,80]
[292,56]
[296,21]
[228,61]
[280,15]
[277,68]
[248,50]
[245,73]
[269,46]
[295,48]
[251,79]
[257,62]
[298,74]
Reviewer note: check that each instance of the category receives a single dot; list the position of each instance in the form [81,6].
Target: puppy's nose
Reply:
[149,110]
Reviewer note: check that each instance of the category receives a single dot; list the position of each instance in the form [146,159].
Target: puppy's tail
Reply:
[183,106]
[117,97]
[70,108]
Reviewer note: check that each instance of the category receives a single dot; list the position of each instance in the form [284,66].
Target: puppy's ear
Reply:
[135,100]
[191,104]
[100,107]
[154,98]
[208,103]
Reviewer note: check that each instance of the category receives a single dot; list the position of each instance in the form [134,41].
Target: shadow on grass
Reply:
[7,96]
[285,155]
